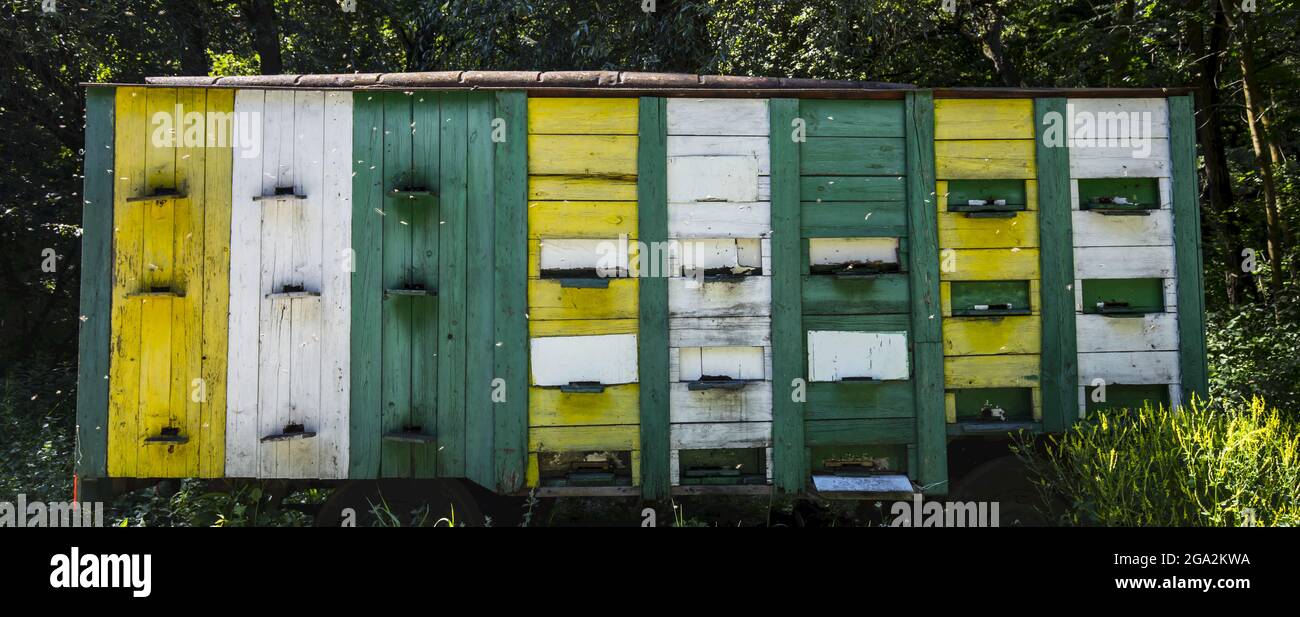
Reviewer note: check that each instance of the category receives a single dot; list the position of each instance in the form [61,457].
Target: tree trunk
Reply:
[1263,158]
[985,33]
[189,22]
[266,34]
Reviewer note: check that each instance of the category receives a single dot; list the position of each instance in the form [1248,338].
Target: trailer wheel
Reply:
[1006,481]
[397,502]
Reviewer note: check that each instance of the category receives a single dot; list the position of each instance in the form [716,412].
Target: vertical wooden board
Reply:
[788,461]
[336,263]
[304,387]
[452,272]
[365,409]
[192,252]
[398,325]
[925,305]
[155,385]
[479,294]
[93,337]
[426,166]
[652,300]
[1187,248]
[1056,267]
[245,294]
[510,324]
[130,133]
[218,209]
[308,228]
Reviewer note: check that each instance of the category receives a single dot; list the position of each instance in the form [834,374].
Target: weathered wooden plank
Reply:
[1187,243]
[130,133]
[1059,363]
[688,297]
[851,188]
[720,332]
[399,327]
[1096,229]
[617,405]
[479,333]
[1129,367]
[654,185]
[581,327]
[860,432]
[841,156]
[983,119]
[581,219]
[453,270]
[1094,118]
[1005,371]
[510,322]
[716,117]
[828,295]
[594,155]
[337,261]
[582,116]
[985,159]
[1146,160]
[426,240]
[958,231]
[925,303]
[721,145]
[548,299]
[246,295]
[1124,262]
[853,219]
[990,264]
[857,323]
[974,336]
[96,285]
[1148,332]
[721,435]
[606,359]
[787,433]
[837,355]
[583,438]
[752,403]
[853,400]
[581,188]
[859,118]
[365,409]
[712,179]
[719,220]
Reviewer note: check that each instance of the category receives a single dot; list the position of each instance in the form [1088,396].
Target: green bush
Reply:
[1208,464]
[1252,352]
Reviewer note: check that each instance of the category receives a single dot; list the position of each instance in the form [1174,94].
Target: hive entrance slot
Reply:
[589,468]
[411,435]
[161,194]
[281,193]
[290,431]
[583,387]
[410,290]
[168,435]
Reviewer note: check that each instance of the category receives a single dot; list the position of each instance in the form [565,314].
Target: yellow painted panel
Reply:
[581,327]
[983,119]
[950,407]
[1037,393]
[584,116]
[956,230]
[945,298]
[985,160]
[584,438]
[990,371]
[547,300]
[972,336]
[535,253]
[168,353]
[636,468]
[590,155]
[618,404]
[581,219]
[581,188]
[1011,264]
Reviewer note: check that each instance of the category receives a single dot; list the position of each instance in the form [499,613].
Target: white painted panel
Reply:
[836,355]
[719,220]
[1127,262]
[1114,117]
[1129,367]
[1096,229]
[565,254]
[717,117]
[702,145]
[753,403]
[713,178]
[732,362]
[711,253]
[719,332]
[698,436]
[1171,295]
[608,359]
[1149,160]
[1150,332]
[688,297]
[831,251]
[289,356]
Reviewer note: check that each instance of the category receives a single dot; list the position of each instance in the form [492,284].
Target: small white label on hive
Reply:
[838,355]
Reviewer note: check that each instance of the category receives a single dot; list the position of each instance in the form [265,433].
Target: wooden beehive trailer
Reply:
[622,283]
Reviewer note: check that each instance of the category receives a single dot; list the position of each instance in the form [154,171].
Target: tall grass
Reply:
[1207,464]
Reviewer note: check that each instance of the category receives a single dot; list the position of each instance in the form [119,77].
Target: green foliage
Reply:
[1209,464]
[1253,352]
[37,416]
[223,503]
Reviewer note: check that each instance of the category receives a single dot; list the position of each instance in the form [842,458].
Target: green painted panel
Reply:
[399,325]
[931,460]
[1127,396]
[1059,358]
[966,295]
[1139,191]
[961,192]
[847,156]
[982,404]
[366,411]
[652,330]
[878,219]
[898,431]
[858,323]
[829,295]
[788,465]
[453,267]
[96,285]
[511,273]
[849,400]
[425,232]
[1187,247]
[826,118]
[1125,295]
[480,283]
[849,188]
[847,460]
